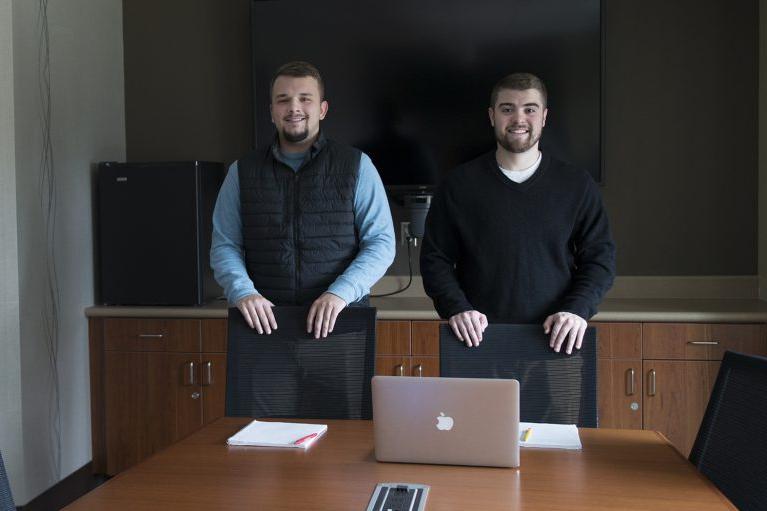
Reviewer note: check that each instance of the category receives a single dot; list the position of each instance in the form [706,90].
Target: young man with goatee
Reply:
[302,220]
[516,235]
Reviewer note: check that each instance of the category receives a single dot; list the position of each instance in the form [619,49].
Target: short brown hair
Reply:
[519,81]
[298,69]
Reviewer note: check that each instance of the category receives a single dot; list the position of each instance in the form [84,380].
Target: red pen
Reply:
[304,439]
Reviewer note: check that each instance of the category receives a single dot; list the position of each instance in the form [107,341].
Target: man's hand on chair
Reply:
[565,326]
[323,314]
[257,312]
[468,326]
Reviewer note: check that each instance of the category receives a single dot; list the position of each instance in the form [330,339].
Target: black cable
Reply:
[47,189]
[410,270]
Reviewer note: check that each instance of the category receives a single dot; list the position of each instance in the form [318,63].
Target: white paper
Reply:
[277,434]
[550,436]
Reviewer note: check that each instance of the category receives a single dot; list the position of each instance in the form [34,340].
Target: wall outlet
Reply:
[404,232]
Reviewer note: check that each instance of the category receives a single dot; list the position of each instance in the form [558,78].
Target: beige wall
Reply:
[88,125]
[681,136]
[10,349]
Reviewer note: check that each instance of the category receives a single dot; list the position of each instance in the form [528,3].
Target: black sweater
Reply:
[517,252]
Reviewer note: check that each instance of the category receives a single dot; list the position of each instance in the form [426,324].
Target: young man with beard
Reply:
[302,220]
[517,236]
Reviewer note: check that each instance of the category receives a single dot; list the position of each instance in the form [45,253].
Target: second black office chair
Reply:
[291,374]
[554,387]
[6,499]
[731,446]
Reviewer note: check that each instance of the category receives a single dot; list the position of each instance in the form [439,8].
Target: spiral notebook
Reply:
[278,434]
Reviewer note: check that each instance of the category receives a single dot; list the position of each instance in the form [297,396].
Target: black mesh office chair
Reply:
[731,446]
[553,387]
[292,375]
[6,499]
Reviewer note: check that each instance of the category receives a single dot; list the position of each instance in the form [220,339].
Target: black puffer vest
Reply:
[298,227]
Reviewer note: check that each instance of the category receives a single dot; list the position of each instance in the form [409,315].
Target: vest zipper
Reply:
[295,240]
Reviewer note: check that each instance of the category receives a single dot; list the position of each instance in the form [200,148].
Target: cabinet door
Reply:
[743,338]
[188,393]
[213,333]
[620,393]
[213,381]
[676,396]
[619,374]
[619,340]
[139,403]
[424,366]
[392,366]
[426,338]
[392,337]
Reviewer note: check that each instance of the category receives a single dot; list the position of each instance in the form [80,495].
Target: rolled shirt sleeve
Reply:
[226,252]
[372,219]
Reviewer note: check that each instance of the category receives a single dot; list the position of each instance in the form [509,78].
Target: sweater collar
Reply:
[493,167]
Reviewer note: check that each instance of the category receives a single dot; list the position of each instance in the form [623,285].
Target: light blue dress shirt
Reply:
[372,219]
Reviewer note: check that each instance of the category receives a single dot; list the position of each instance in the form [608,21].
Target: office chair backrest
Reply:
[6,499]
[291,374]
[731,446]
[553,387]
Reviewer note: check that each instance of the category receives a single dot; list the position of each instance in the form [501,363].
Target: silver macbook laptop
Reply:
[453,421]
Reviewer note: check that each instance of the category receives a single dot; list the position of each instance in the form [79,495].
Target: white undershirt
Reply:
[520,176]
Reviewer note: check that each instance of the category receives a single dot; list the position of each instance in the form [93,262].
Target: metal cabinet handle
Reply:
[399,368]
[207,373]
[651,383]
[630,386]
[195,395]
[704,343]
[189,373]
[419,369]
[150,336]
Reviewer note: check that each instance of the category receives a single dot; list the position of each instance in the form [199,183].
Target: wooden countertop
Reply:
[420,308]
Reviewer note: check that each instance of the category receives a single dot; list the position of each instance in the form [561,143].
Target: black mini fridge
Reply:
[154,232]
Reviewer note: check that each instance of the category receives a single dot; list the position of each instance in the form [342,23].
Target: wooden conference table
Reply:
[617,469]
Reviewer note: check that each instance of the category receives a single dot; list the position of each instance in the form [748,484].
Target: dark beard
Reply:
[295,137]
[518,146]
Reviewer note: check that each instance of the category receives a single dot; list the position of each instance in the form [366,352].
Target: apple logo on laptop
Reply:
[444,423]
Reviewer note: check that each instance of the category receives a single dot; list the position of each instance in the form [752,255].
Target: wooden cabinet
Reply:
[424,366]
[620,393]
[681,362]
[700,341]
[407,348]
[138,408]
[200,390]
[425,338]
[659,376]
[392,365]
[153,382]
[619,375]
[676,396]
[213,385]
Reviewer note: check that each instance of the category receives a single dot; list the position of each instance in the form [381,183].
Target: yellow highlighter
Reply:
[527,434]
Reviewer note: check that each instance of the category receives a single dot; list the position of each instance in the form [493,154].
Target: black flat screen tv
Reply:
[409,82]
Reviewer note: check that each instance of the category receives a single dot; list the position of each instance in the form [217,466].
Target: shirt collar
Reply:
[316,147]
